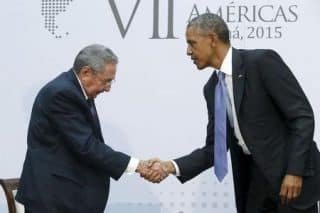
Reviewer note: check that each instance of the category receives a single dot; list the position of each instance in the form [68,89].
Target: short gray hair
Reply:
[96,56]
[209,22]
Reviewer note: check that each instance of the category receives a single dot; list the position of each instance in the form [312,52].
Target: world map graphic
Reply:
[50,10]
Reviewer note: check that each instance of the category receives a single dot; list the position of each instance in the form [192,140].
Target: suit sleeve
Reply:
[200,159]
[70,121]
[290,99]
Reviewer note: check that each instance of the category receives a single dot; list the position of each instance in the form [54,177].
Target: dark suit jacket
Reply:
[67,166]
[276,122]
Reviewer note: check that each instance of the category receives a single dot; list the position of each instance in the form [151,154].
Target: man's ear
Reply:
[214,39]
[85,71]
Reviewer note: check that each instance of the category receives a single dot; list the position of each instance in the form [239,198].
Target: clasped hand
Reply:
[155,170]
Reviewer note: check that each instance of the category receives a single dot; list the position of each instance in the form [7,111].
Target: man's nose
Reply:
[189,52]
[107,88]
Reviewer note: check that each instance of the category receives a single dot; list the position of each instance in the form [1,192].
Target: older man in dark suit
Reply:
[68,166]
[258,110]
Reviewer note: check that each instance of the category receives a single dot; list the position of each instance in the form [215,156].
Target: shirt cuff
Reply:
[132,166]
[176,168]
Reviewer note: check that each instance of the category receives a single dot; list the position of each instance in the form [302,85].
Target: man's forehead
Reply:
[194,31]
[193,28]
[110,66]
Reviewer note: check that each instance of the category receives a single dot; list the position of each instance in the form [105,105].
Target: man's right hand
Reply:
[155,170]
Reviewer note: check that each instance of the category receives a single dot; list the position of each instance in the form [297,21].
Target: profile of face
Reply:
[200,47]
[95,83]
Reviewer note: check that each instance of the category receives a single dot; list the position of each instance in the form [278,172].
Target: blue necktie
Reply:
[220,130]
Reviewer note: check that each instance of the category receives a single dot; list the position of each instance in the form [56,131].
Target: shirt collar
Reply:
[82,88]
[226,66]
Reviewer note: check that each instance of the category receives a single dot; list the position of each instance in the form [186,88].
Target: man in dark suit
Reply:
[257,109]
[68,166]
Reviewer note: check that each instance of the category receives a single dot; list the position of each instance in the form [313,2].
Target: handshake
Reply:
[155,170]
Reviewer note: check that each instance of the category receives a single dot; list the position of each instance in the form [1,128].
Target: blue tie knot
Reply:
[221,75]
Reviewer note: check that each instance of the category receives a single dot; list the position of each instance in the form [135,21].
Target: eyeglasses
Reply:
[111,81]
[106,82]
[103,81]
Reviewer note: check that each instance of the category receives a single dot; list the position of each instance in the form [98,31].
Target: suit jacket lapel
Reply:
[72,77]
[95,123]
[238,78]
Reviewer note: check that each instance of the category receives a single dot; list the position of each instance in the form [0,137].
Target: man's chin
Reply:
[94,96]
[200,67]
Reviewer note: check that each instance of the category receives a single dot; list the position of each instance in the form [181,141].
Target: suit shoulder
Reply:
[258,54]
[60,84]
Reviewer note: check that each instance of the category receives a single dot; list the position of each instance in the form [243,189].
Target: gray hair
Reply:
[96,56]
[208,23]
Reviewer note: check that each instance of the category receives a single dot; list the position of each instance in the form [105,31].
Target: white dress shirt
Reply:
[134,162]
[226,68]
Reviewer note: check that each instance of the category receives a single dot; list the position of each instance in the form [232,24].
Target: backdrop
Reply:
[156,107]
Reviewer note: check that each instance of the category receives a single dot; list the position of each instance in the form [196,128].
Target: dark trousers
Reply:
[262,199]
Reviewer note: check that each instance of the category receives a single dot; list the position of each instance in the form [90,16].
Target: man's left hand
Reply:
[290,188]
